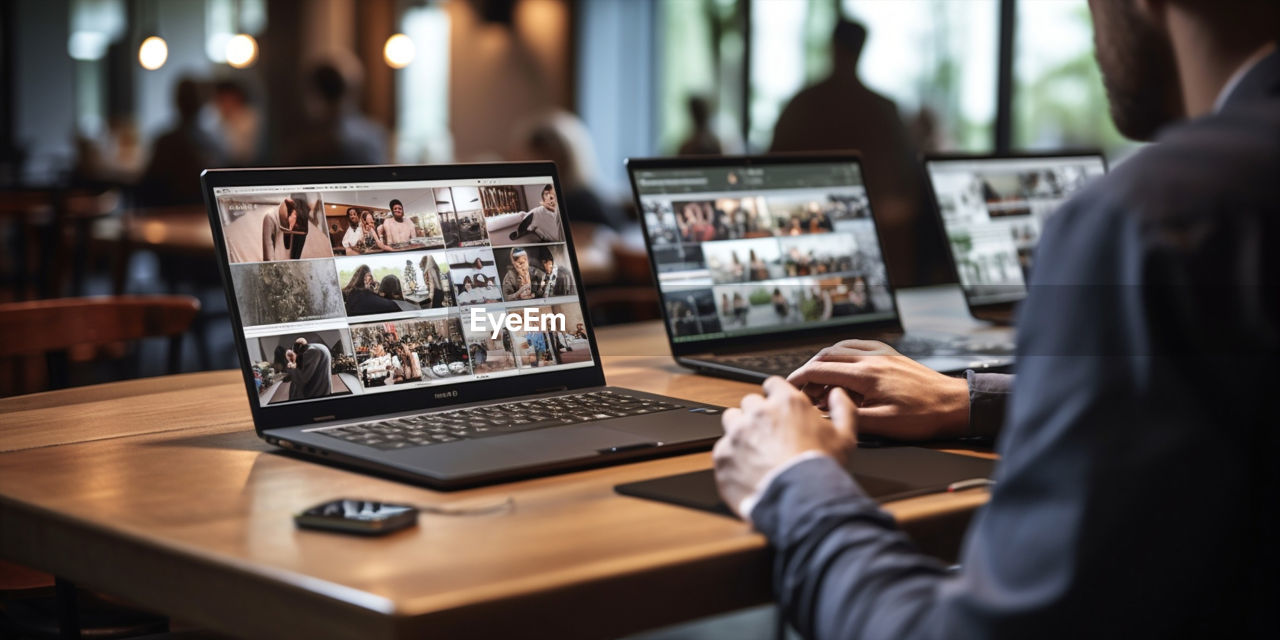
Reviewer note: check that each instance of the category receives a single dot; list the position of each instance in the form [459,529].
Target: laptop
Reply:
[763,261]
[992,210]
[426,323]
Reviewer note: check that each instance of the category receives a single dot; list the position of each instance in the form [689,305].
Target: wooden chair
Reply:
[34,603]
[49,329]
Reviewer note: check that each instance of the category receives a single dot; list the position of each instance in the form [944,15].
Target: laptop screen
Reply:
[763,248]
[381,287]
[993,210]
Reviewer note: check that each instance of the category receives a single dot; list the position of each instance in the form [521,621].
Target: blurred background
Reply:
[110,108]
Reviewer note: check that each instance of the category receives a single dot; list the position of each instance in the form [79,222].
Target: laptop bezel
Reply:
[436,396]
[784,336]
[1000,312]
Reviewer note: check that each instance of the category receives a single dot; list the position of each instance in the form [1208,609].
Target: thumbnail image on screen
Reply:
[993,210]
[373,288]
[743,250]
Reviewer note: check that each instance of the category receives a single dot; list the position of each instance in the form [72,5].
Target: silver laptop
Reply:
[763,261]
[992,210]
[427,323]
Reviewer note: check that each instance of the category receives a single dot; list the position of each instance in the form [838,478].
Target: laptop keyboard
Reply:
[778,364]
[497,419]
[783,363]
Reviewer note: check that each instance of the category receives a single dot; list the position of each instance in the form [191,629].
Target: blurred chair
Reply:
[46,332]
[32,603]
[49,230]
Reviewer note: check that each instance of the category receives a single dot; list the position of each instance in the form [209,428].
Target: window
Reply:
[1058,98]
[422,103]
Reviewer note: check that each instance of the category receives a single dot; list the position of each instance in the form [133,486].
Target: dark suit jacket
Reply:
[1136,494]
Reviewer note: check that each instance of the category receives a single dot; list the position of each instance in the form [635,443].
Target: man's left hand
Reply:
[770,430]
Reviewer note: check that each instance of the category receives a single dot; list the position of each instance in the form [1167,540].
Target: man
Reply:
[1136,491]
[517,283]
[542,221]
[308,370]
[840,113]
[397,231]
[336,133]
[353,237]
[551,280]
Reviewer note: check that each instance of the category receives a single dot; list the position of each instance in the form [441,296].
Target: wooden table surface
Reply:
[158,490]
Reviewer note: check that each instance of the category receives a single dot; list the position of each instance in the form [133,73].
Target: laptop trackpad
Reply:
[566,443]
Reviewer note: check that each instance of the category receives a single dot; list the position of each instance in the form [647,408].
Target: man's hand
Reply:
[292,359]
[897,397]
[769,430]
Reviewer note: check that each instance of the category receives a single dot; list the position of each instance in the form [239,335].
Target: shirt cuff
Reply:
[988,397]
[749,503]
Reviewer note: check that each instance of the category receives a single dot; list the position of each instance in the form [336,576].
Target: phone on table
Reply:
[361,517]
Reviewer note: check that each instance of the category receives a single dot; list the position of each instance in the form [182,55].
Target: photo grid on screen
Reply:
[369,288]
[993,211]
[753,250]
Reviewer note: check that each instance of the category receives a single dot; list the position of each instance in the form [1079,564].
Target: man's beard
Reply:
[1138,70]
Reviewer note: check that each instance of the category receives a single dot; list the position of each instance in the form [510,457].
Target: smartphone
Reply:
[361,517]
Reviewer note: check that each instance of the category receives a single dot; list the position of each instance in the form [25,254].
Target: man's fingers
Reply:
[731,419]
[841,411]
[835,374]
[873,346]
[778,386]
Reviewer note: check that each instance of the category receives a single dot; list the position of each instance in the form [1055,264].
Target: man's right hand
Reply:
[896,396]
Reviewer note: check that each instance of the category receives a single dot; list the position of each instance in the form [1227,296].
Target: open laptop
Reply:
[427,323]
[763,261]
[992,210]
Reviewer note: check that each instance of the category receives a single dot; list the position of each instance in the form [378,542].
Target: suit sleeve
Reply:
[1098,523]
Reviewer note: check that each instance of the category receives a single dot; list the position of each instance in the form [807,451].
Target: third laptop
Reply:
[763,261]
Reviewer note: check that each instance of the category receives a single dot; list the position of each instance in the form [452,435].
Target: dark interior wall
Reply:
[44,107]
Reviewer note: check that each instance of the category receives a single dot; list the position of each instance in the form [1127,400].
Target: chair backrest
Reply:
[41,327]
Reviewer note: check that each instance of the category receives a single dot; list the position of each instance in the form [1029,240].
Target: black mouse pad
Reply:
[887,473]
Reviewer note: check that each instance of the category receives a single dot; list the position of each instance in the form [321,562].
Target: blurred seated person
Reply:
[238,125]
[172,176]
[562,138]
[337,133]
[361,297]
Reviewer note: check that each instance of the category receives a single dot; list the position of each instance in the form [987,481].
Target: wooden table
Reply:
[158,490]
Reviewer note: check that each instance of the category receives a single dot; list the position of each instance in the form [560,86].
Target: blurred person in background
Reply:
[179,155]
[238,125]
[841,113]
[703,141]
[562,138]
[337,133]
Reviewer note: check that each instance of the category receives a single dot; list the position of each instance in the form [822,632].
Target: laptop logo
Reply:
[446,394]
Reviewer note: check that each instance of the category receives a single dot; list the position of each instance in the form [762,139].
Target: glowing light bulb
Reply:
[153,53]
[399,51]
[242,51]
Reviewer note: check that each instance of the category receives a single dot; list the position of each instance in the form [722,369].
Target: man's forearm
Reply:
[842,566]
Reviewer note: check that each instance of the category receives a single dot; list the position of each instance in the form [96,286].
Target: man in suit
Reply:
[309,371]
[1136,491]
